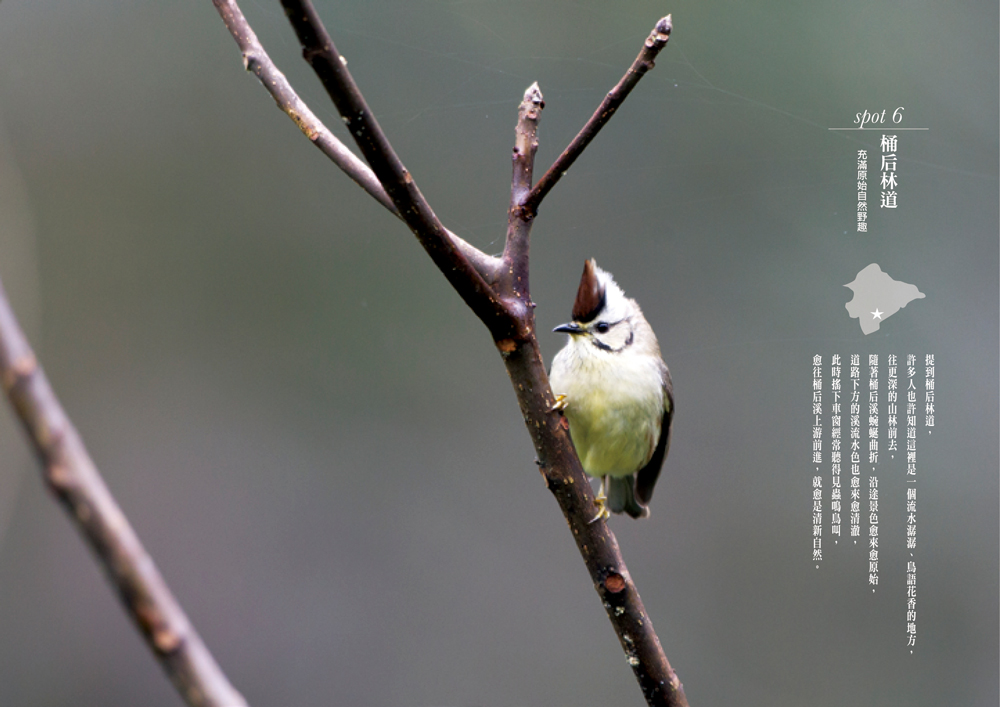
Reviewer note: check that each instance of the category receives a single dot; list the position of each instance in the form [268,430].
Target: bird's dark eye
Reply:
[602,327]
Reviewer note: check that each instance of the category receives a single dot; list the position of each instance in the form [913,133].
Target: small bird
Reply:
[612,385]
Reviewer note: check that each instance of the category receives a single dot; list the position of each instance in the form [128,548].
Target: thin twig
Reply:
[514,278]
[257,61]
[656,41]
[72,476]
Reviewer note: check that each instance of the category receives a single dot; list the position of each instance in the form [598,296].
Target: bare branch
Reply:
[71,475]
[507,310]
[643,63]
[526,143]
[257,61]
[557,458]
[319,51]
[514,279]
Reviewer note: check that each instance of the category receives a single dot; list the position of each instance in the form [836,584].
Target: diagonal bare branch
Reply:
[656,41]
[257,61]
[72,476]
[319,51]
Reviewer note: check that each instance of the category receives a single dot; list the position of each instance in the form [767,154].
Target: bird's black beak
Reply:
[571,328]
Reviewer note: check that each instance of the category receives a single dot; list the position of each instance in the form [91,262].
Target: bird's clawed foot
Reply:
[602,507]
[560,404]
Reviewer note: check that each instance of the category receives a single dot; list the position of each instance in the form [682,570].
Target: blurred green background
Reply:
[317,441]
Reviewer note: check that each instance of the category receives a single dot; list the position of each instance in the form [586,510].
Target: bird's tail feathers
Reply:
[621,497]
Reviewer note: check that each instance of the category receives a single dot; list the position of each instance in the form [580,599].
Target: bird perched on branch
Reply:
[613,387]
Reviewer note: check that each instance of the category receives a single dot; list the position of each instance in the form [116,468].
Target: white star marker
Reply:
[877,314]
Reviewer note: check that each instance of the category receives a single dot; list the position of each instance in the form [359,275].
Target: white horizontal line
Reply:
[882,129]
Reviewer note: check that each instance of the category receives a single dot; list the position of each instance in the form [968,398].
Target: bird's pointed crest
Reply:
[591,296]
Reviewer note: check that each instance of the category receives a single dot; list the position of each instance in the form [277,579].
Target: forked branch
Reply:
[557,458]
[656,41]
[319,51]
[508,302]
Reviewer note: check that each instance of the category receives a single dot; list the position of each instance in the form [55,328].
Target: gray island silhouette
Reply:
[877,297]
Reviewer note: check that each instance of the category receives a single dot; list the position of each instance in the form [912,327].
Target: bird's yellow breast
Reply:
[614,414]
